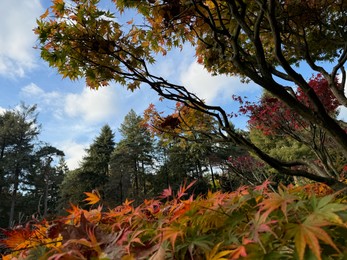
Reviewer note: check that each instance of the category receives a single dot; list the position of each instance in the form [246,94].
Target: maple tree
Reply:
[257,40]
[272,118]
[255,222]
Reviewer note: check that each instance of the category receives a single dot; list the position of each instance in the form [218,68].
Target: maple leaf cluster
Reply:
[184,122]
[272,116]
[295,222]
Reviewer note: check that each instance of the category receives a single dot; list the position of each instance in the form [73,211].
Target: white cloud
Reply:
[73,117]
[48,101]
[16,36]
[92,105]
[38,94]
[74,153]
[78,117]
[32,90]
[2,110]
[213,89]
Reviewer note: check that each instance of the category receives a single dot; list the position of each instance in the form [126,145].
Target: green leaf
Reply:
[324,209]
[308,234]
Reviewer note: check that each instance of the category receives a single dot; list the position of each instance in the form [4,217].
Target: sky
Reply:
[71,114]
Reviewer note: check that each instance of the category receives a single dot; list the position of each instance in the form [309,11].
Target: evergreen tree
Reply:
[94,170]
[71,189]
[95,165]
[119,185]
[45,179]
[19,129]
[134,156]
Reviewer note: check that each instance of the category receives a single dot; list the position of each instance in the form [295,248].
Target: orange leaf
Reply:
[94,215]
[43,16]
[239,252]
[264,186]
[92,197]
[275,201]
[7,257]
[127,202]
[17,238]
[183,207]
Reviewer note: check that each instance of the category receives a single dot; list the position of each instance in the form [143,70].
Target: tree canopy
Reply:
[261,41]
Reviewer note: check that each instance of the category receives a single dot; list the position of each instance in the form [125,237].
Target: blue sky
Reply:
[71,114]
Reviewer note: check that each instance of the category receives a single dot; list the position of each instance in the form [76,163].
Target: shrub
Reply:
[305,222]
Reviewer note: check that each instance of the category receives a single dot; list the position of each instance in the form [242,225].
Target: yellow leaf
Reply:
[215,255]
[92,197]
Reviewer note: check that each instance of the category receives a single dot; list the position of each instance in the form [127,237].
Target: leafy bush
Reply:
[306,222]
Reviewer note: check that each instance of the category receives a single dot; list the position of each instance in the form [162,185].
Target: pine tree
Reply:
[95,165]
[19,129]
[135,154]
[94,170]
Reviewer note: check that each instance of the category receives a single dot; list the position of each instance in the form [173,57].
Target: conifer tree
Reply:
[134,155]
[94,170]
[18,131]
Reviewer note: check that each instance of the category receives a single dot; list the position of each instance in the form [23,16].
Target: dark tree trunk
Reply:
[14,195]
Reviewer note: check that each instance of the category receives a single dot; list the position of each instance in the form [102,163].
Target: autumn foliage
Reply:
[183,121]
[252,223]
[272,116]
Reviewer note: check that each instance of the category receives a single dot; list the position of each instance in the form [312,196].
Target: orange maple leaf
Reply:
[94,215]
[127,202]
[275,201]
[92,197]
[264,186]
[17,239]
